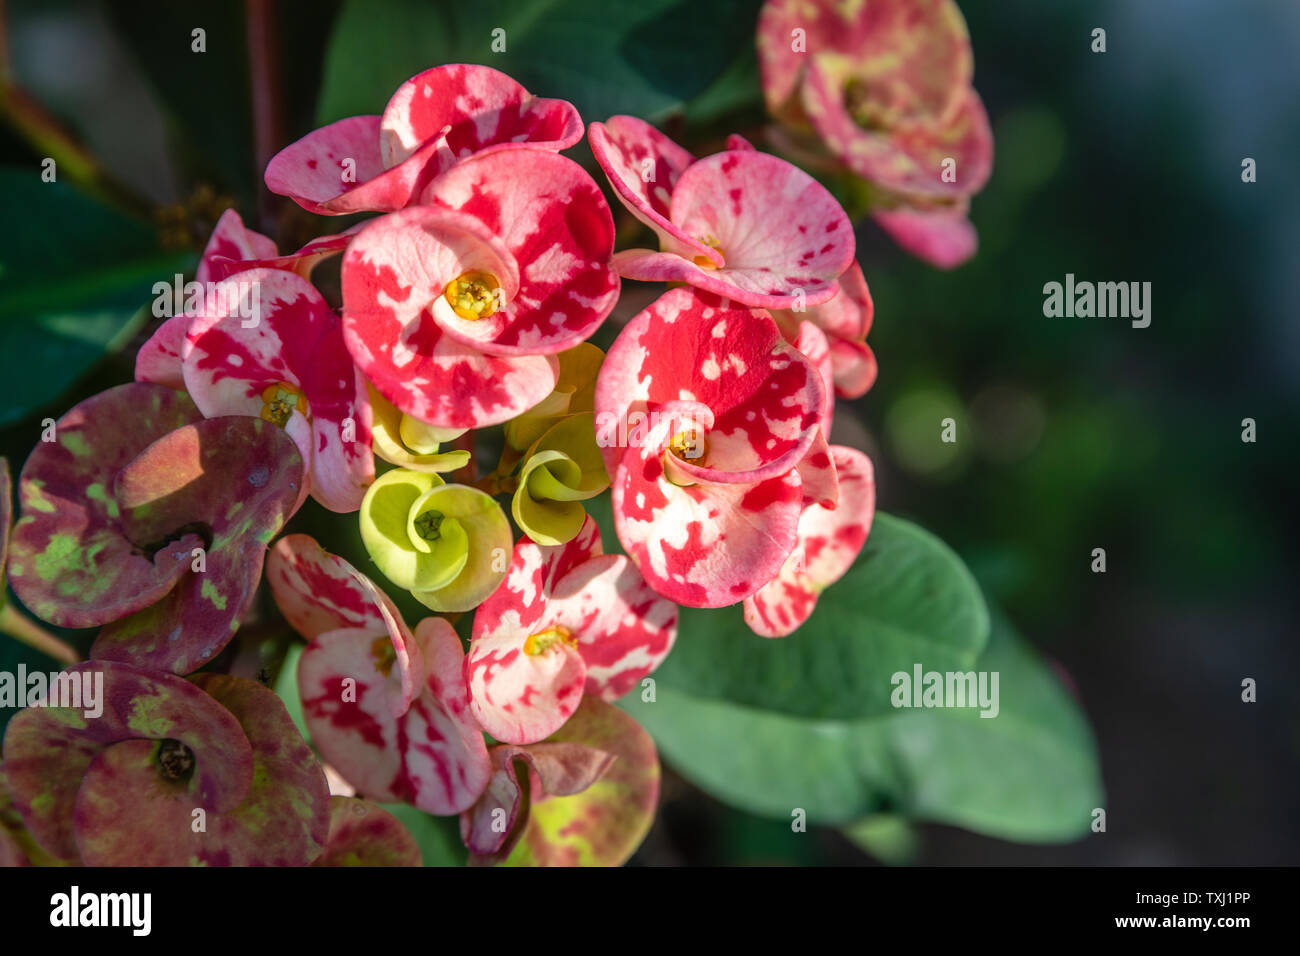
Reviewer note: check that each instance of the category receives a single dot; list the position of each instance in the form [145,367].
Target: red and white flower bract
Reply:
[742,224]
[433,121]
[386,708]
[286,363]
[526,238]
[887,90]
[568,620]
[829,542]
[705,415]
[845,321]
[231,248]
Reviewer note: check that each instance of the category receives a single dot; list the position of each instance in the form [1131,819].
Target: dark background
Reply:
[1073,433]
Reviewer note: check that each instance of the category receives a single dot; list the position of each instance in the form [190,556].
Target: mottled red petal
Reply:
[268,327]
[481,110]
[70,561]
[236,479]
[365,834]
[48,750]
[829,543]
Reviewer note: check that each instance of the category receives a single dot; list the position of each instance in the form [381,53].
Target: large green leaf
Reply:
[73,277]
[645,58]
[1028,774]
[907,600]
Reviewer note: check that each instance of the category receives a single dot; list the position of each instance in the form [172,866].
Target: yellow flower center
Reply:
[473,295]
[381,649]
[704,262]
[543,641]
[689,444]
[280,401]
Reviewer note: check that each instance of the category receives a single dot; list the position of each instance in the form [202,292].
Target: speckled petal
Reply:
[432,756]
[339,169]
[396,320]
[238,480]
[909,157]
[365,834]
[605,823]
[481,110]
[829,542]
[48,750]
[782,235]
[128,814]
[493,826]
[266,329]
[70,561]
[643,165]
[552,217]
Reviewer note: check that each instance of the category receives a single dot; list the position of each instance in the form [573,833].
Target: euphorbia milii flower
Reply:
[742,224]
[231,248]
[569,621]
[122,788]
[446,544]
[706,417]
[433,121]
[387,708]
[146,518]
[829,542]
[887,90]
[284,361]
[585,796]
[454,309]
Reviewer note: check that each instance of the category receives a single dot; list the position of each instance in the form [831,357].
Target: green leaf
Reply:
[1028,774]
[646,58]
[73,277]
[907,600]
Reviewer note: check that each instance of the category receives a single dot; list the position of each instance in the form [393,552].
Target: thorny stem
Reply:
[22,628]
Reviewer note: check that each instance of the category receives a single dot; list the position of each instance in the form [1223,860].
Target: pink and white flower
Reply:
[711,428]
[433,121]
[455,309]
[387,708]
[281,357]
[742,224]
[231,248]
[568,621]
[886,89]
[829,540]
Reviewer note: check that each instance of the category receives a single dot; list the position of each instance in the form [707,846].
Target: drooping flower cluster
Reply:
[467,299]
[882,91]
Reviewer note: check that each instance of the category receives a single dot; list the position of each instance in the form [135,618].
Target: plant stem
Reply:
[261,31]
[22,628]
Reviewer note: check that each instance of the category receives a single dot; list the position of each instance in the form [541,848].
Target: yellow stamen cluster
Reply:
[473,295]
[280,401]
[543,641]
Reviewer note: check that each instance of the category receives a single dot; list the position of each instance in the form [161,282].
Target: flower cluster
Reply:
[154,511]
[882,92]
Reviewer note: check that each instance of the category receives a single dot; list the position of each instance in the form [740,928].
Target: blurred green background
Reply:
[1074,434]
